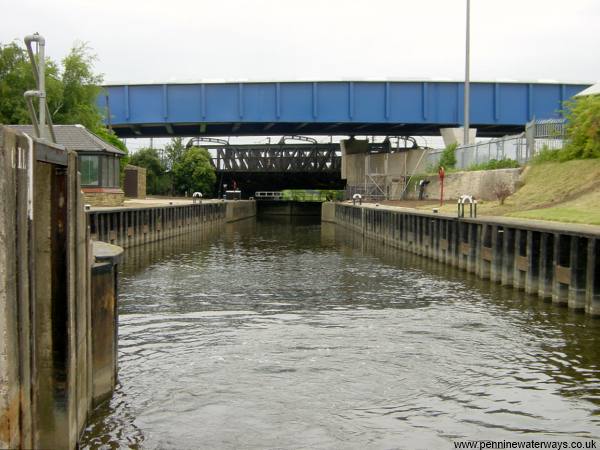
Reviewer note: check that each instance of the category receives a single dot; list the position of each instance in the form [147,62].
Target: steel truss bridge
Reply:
[292,154]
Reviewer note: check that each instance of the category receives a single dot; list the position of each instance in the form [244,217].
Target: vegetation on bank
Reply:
[312,195]
[179,171]
[562,191]
[72,87]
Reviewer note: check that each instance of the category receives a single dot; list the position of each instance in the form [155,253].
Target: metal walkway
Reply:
[327,108]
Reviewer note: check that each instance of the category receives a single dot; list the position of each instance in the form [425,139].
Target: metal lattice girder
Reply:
[312,157]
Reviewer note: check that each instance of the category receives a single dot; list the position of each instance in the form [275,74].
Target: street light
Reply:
[467,81]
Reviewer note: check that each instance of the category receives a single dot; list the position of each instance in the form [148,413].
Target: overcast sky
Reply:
[178,40]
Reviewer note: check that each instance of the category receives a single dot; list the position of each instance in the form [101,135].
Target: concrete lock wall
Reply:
[288,208]
[557,262]
[240,210]
[389,170]
[481,184]
[392,165]
[130,227]
[46,374]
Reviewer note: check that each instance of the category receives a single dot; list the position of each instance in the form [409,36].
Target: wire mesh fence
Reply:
[521,147]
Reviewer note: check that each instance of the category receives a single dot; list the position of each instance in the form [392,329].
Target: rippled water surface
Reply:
[280,334]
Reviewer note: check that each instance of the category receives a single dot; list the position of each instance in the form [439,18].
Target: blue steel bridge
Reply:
[393,108]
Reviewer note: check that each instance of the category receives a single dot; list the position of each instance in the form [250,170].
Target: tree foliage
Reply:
[157,181]
[583,128]
[71,90]
[16,77]
[80,89]
[174,151]
[194,172]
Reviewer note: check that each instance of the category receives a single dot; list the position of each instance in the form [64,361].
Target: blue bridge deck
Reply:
[327,108]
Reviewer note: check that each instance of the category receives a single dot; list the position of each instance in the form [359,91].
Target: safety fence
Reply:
[538,135]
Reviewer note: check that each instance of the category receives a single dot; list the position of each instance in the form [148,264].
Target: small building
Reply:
[99,163]
[135,182]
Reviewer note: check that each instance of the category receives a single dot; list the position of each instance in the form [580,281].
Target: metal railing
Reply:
[268,195]
[522,147]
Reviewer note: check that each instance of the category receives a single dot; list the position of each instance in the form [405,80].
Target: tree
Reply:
[194,172]
[81,87]
[71,90]
[16,77]
[156,178]
[174,151]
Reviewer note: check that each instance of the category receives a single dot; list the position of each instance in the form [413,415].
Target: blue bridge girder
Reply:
[327,107]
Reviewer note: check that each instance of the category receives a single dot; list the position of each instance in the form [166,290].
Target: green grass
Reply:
[572,215]
[494,164]
[560,191]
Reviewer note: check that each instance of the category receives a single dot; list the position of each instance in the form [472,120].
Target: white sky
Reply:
[139,40]
[186,40]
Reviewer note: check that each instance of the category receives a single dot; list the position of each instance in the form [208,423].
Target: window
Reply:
[89,170]
[110,181]
[117,173]
[105,174]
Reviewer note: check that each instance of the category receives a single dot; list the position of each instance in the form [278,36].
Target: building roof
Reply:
[592,90]
[75,137]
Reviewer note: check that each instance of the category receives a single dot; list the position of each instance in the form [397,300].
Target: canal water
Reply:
[288,334]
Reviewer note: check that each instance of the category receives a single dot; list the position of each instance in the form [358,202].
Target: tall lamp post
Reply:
[467,75]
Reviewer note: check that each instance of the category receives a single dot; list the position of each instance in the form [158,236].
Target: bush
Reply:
[583,128]
[494,164]
[501,191]
[448,158]
[547,155]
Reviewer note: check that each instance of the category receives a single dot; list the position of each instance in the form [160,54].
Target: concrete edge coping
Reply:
[592,231]
[103,209]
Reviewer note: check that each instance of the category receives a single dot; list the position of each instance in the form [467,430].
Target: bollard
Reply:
[104,319]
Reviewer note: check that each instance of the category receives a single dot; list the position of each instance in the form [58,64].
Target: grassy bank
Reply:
[560,191]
